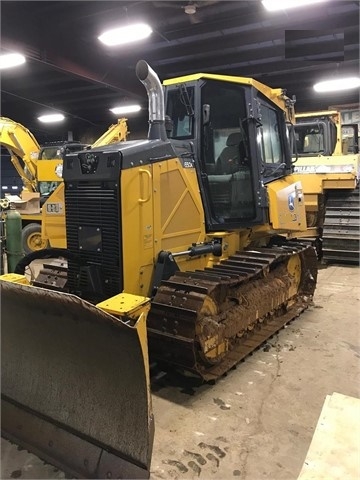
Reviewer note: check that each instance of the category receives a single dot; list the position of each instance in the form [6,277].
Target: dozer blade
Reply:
[75,384]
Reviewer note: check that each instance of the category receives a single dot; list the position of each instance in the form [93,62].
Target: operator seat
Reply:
[232,155]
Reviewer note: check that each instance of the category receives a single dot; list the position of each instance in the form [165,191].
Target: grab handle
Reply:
[148,196]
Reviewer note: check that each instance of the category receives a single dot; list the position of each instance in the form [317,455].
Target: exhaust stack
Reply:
[154,89]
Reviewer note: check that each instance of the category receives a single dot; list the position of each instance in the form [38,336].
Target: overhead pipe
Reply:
[155,92]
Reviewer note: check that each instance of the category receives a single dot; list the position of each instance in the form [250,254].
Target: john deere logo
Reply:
[291,202]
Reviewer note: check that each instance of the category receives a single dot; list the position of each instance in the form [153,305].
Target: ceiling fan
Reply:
[190,8]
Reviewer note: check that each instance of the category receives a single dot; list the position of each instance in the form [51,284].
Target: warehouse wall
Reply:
[9,178]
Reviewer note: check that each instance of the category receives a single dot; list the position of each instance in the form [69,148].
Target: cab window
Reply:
[309,138]
[180,108]
[225,158]
[268,136]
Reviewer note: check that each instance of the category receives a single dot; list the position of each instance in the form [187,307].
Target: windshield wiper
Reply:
[185,100]
[271,170]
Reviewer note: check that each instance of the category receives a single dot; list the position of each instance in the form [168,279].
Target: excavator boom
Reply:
[115,133]
[21,144]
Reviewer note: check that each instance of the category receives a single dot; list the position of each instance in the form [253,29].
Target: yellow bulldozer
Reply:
[328,166]
[179,246]
[40,169]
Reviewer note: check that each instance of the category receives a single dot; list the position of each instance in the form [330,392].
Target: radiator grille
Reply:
[94,206]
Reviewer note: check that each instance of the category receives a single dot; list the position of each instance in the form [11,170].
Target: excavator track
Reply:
[207,321]
[341,231]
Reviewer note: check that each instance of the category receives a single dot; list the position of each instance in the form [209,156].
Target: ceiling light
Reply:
[337,84]
[122,35]
[125,109]
[9,60]
[55,117]
[190,9]
[273,5]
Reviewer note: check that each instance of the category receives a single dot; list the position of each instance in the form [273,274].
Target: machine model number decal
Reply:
[188,164]
[54,208]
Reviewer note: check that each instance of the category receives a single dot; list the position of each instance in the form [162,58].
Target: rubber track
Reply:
[341,232]
[172,321]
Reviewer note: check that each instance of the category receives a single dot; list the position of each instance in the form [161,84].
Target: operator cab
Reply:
[236,138]
[315,137]
[319,136]
[56,151]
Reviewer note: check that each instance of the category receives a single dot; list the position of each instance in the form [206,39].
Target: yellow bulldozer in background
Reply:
[191,228]
[328,166]
[40,168]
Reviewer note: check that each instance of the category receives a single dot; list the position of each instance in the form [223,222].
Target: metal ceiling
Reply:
[69,70]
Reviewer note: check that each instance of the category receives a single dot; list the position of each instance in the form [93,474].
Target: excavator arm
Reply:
[115,133]
[21,144]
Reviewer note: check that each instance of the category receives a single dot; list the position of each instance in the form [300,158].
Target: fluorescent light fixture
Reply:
[4,187]
[9,60]
[125,109]
[128,34]
[54,117]
[14,187]
[273,5]
[337,84]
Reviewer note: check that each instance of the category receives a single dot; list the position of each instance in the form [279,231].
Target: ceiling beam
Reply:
[66,65]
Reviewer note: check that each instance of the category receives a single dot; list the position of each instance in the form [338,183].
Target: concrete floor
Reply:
[256,423]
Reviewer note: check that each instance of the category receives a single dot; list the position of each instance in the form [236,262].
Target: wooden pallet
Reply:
[334,452]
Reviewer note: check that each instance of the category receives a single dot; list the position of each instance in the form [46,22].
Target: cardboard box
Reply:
[29,203]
